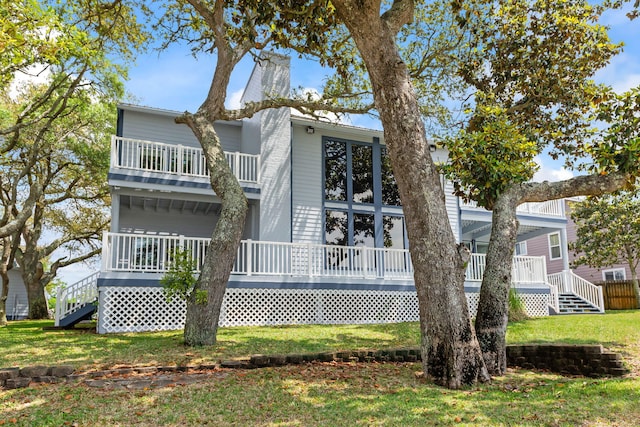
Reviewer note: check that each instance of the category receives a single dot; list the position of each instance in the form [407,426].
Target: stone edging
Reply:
[587,360]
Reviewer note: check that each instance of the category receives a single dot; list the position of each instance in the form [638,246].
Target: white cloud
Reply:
[35,74]
[314,95]
[550,172]
[234,101]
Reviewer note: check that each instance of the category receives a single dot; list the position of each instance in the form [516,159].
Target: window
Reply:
[361,198]
[614,274]
[521,248]
[555,251]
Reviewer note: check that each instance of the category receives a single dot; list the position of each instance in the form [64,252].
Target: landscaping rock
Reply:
[259,360]
[19,382]
[8,373]
[47,379]
[62,370]
[34,371]
[235,364]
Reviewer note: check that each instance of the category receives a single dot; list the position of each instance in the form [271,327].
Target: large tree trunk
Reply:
[450,352]
[201,324]
[493,307]
[32,274]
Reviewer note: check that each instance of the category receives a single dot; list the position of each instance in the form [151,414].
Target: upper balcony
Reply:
[178,161]
[551,208]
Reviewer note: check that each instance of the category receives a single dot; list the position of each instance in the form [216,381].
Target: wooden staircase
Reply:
[77,302]
[572,304]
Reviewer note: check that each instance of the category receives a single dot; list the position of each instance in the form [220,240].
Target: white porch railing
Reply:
[569,282]
[150,253]
[525,269]
[177,159]
[75,296]
[553,208]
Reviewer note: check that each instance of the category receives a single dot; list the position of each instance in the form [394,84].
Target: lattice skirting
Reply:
[138,309]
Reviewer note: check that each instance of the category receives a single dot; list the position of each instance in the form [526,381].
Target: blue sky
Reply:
[175,80]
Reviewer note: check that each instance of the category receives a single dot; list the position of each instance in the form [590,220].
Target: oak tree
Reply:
[533,92]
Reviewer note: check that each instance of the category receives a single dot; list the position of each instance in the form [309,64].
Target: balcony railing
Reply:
[553,208]
[177,159]
[150,253]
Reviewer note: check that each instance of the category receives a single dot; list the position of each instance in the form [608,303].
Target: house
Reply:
[324,239]
[17,304]
[561,260]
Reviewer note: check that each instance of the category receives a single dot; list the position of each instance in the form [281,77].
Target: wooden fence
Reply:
[618,295]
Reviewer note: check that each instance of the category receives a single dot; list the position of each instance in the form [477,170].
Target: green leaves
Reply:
[180,281]
[607,230]
[486,161]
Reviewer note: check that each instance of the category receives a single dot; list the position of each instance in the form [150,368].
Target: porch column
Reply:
[115,212]
[564,247]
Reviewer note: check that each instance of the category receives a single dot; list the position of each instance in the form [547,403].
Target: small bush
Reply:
[517,311]
[180,281]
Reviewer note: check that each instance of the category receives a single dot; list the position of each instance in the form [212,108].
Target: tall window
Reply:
[361,199]
[555,252]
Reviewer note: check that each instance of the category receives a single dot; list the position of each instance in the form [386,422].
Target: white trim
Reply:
[551,246]
[614,271]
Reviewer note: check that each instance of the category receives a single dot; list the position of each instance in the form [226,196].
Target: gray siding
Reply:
[161,128]
[307,187]
[176,222]
[275,154]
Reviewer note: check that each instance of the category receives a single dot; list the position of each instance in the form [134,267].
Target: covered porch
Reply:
[147,253]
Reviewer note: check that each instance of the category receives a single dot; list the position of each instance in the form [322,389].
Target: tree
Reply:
[608,232]
[533,91]
[450,352]
[234,31]
[53,155]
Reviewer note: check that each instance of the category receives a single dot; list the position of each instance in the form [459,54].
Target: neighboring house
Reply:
[560,260]
[17,302]
[324,239]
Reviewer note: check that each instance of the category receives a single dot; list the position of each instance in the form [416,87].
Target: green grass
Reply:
[26,343]
[335,394]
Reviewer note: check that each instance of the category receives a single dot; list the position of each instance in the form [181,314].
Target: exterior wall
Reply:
[17,302]
[159,126]
[307,187]
[540,246]
[441,155]
[275,154]
[176,222]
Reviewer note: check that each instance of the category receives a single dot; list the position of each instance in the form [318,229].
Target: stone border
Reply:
[565,359]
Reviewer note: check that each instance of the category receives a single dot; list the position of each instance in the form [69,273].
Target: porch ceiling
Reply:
[159,204]
[480,230]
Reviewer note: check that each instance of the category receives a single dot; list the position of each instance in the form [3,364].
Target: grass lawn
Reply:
[334,394]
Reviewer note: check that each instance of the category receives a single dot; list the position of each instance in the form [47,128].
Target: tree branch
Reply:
[584,185]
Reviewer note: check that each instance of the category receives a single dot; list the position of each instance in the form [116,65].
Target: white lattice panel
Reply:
[137,309]
[473,298]
[536,305]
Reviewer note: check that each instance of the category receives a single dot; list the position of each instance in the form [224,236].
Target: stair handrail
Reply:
[71,298]
[586,290]
[569,282]
[554,297]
